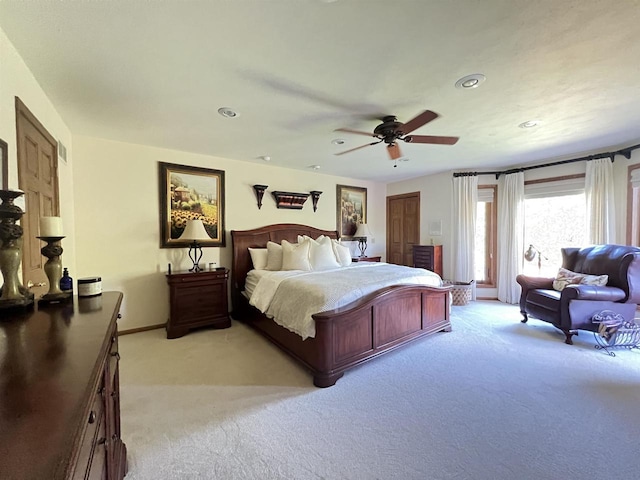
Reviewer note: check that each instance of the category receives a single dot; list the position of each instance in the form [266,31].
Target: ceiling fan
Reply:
[391,130]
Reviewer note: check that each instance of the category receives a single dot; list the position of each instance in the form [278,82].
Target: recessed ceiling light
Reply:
[314,167]
[529,124]
[470,81]
[264,158]
[227,112]
[337,141]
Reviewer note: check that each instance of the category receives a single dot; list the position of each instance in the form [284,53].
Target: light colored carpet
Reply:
[493,399]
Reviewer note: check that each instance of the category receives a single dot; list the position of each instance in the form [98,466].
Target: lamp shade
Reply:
[194,231]
[362,231]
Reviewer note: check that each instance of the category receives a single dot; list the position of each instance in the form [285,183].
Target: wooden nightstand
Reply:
[197,300]
[366,259]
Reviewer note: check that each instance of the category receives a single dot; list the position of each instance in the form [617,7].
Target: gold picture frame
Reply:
[190,193]
[351,209]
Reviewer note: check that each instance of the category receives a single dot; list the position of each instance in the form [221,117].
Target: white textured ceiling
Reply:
[156,72]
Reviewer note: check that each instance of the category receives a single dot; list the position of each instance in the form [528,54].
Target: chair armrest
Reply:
[592,292]
[531,283]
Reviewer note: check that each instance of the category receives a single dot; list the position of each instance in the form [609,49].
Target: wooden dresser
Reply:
[197,300]
[59,392]
[429,257]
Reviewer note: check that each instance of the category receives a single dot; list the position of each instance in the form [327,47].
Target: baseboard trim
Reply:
[140,329]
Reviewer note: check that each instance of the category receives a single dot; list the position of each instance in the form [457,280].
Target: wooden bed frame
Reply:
[347,336]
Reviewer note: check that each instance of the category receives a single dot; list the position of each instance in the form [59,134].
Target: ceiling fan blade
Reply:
[348,130]
[431,139]
[416,122]
[394,151]
[357,148]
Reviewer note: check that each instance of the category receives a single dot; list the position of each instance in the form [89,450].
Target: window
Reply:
[554,217]
[486,222]
[633,206]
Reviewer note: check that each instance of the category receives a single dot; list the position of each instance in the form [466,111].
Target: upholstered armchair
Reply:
[572,308]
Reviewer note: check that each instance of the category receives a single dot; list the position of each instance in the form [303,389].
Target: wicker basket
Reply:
[460,292]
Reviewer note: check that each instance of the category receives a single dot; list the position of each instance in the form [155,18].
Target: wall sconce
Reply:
[315,195]
[195,231]
[259,189]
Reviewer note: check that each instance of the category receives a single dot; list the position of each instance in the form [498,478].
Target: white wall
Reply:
[16,80]
[117,216]
[436,198]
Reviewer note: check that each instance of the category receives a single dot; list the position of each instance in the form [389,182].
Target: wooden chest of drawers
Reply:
[59,385]
[429,257]
[197,300]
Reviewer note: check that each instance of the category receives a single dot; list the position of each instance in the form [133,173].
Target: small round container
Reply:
[90,286]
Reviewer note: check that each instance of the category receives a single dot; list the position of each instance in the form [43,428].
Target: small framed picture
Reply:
[190,193]
[435,228]
[351,209]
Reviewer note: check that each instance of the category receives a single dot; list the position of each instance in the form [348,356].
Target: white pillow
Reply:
[302,238]
[259,258]
[274,256]
[295,256]
[321,254]
[342,253]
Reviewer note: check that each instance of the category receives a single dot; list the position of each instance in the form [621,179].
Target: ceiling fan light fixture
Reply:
[337,141]
[264,158]
[227,112]
[314,167]
[470,81]
[529,124]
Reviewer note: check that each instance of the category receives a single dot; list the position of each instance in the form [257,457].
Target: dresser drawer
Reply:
[92,449]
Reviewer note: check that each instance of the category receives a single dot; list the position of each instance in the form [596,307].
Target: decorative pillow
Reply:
[274,256]
[342,253]
[567,277]
[302,238]
[295,256]
[321,255]
[259,258]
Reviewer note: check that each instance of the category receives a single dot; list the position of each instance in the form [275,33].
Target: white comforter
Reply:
[291,297]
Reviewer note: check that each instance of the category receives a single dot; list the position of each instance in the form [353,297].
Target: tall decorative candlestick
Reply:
[13,292]
[53,268]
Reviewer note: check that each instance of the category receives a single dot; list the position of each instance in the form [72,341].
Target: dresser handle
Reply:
[117,355]
[92,417]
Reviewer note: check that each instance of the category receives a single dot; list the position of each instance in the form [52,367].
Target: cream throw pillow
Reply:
[259,257]
[321,254]
[295,256]
[274,256]
[567,277]
[342,253]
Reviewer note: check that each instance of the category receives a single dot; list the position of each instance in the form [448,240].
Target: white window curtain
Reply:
[600,202]
[510,235]
[465,204]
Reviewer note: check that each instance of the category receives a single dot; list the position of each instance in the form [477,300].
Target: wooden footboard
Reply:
[351,335]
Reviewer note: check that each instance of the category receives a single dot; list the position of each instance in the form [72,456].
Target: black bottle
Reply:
[66,282]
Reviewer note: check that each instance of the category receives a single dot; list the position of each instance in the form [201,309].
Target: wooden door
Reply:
[403,227]
[38,178]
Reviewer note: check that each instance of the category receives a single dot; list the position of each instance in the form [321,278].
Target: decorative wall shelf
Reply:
[290,200]
[315,195]
[259,189]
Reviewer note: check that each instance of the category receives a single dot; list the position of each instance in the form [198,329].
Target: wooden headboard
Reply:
[258,238]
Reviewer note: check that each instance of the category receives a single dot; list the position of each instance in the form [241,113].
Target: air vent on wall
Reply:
[62,151]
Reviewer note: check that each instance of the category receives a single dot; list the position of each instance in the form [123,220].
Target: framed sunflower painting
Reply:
[190,193]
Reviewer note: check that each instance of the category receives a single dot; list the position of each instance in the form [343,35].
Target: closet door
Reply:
[403,227]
